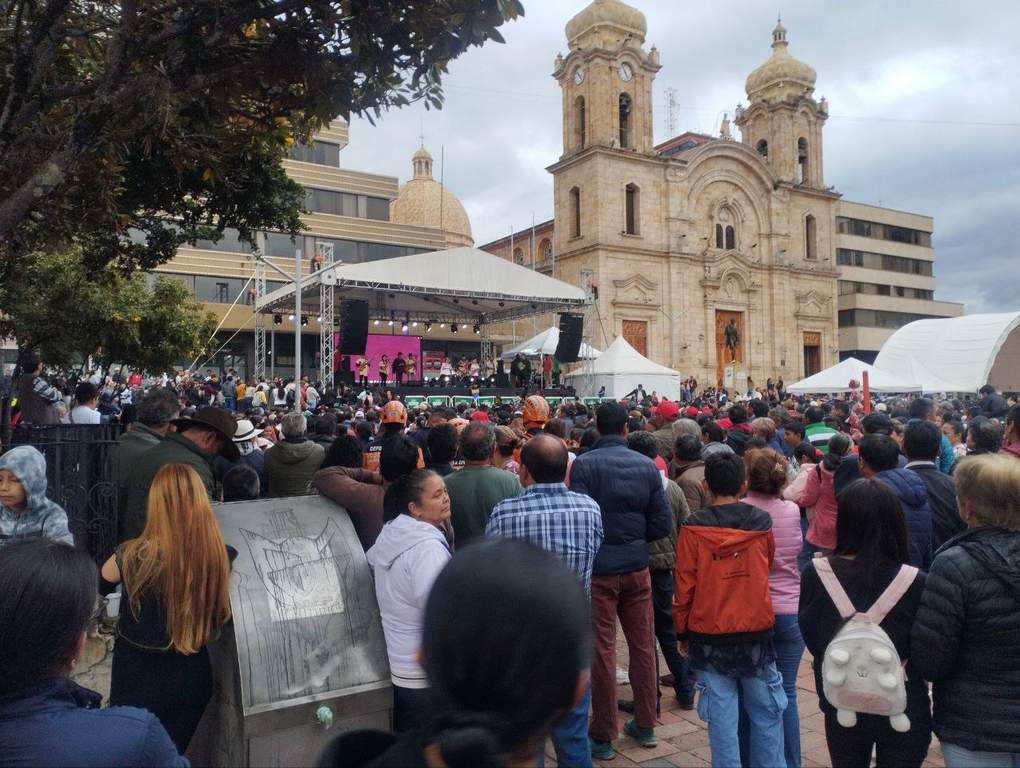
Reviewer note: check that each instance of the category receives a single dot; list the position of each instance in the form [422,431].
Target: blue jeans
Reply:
[230,403]
[764,700]
[570,737]
[958,757]
[789,650]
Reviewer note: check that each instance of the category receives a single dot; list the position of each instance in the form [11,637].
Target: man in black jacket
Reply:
[921,443]
[629,491]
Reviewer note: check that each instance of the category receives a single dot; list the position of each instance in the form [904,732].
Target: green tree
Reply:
[132,127]
[66,313]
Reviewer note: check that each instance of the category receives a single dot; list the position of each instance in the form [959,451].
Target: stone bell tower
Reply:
[606,79]
[783,122]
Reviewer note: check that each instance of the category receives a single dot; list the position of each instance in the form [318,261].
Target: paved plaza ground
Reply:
[683,737]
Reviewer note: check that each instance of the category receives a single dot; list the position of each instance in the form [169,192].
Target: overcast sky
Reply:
[924,102]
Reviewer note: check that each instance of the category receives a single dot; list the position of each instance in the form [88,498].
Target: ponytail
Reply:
[839,445]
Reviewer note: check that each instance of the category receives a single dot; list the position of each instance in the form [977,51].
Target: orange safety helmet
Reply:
[394,412]
[536,410]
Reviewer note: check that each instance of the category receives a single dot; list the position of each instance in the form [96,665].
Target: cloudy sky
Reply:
[923,96]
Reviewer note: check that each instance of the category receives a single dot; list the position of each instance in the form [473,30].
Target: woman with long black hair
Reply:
[871,547]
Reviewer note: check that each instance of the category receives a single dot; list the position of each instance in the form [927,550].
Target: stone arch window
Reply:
[580,132]
[518,256]
[545,248]
[810,237]
[632,209]
[725,229]
[575,212]
[763,150]
[625,119]
[802,160]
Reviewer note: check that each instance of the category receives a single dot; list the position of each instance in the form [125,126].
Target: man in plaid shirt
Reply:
[567,524]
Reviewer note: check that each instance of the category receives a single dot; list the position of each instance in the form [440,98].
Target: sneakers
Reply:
[602,750]
[643,736]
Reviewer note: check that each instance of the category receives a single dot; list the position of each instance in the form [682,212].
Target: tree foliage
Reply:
[168,120]
[55,307]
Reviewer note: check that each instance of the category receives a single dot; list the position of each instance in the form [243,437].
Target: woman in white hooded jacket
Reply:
[406,559]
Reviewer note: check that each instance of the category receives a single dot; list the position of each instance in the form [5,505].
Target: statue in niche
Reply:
[732,338]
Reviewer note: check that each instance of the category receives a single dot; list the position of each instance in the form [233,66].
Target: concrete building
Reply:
[365,216]
[887,276]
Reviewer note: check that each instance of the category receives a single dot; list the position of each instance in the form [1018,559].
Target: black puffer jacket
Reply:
[969,626]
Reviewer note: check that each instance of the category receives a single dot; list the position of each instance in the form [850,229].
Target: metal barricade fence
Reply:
[81,474]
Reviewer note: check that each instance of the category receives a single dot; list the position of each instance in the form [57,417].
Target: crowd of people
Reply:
[728,538]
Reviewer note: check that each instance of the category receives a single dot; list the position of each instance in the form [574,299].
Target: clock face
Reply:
[626,72]
[578,75]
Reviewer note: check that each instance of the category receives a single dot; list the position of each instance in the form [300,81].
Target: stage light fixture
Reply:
[319,318]
[403,328]
[477,329]
[502,303]
[376,321]
[290,317]
[428,327]
[453,327]
[414,324]
[277,319]
[304,321]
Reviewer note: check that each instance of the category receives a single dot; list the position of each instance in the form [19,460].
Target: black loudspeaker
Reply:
[353,327]
[571,328]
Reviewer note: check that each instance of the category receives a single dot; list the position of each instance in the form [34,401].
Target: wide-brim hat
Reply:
[245,431]
[218,420]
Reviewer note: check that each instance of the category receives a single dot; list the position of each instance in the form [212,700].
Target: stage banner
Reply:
[432,360]
[466,399]
[554,401]
[487,400]
[413,401]
[380,344]
[439,401]
[591,401]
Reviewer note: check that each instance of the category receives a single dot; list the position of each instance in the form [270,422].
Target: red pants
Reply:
[629,596]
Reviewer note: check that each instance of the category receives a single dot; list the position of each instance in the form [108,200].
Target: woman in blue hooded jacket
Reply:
[25,512]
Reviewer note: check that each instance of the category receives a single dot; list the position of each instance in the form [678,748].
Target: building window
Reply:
[518,256]
[632,198]
[575,212]
[763,150]
[318,152]
[731,238]
[347,204]
[719,242]
[849,258]
[883,231]
[625,107]
[802,161]
[546,249]
[580,133]
[876,318]
[810,235]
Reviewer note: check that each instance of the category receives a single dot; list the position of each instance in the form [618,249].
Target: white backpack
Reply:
[861,670]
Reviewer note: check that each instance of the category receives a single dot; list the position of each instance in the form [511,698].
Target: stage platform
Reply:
[450,395]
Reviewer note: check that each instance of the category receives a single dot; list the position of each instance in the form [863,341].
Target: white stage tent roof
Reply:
[837,378]
[545,344]
[957,354]
[457,284]
[620,369]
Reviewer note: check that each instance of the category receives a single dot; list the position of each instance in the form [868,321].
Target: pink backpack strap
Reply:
[892,594]
[836,592]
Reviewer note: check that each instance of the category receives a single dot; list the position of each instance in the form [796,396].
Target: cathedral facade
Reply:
[679,242]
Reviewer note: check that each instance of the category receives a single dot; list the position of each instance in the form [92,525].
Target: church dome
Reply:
[782,75]
[423,202]
[611,13]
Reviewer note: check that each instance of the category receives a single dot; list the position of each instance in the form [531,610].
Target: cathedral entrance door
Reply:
[812,353]
[725,354]
[635,332]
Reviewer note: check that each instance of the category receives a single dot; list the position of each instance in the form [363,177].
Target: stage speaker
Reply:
[571,328]
[353,327]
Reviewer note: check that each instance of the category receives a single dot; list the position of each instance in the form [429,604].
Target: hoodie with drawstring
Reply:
[406,558]
[41,518]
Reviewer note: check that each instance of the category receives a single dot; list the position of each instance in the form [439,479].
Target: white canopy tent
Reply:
[620,369]
[837,378]
[957,354]
[464,285]
[545,343]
